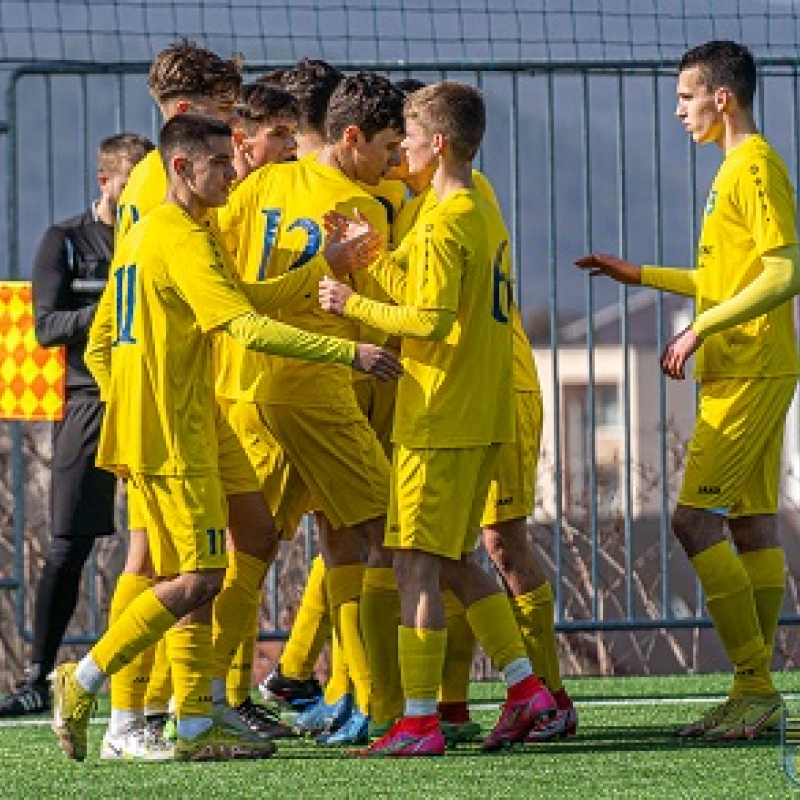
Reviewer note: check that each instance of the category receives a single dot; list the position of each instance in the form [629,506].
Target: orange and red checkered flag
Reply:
[31,377]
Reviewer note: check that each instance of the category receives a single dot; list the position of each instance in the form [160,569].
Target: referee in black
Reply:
[69,272]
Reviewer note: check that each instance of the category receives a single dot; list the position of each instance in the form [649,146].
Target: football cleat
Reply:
[139,743]
[518,717]
[355,730]
[324,718]
[297,693]
[221,742]
[753,715]
[27,698]
[263,721]
[710,719]
[72,709]
[407,738]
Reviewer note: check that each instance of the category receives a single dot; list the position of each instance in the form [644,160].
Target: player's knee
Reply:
[201,587]
[696,529]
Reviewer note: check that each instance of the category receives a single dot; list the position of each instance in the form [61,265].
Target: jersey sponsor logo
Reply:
[705,489]
[505,501]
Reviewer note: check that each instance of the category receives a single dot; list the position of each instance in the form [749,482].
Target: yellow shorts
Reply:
[376,400]
[338,457]
[281,484]
[511,492]
[185,520]
[437,497]
[734,456]
[137,519]
[235,470]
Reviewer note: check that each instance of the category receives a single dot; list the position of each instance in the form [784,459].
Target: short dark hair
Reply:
[261,101]
[367,100]
[312,82]
[190,132]
[184,69]
[113,149]
[724,63]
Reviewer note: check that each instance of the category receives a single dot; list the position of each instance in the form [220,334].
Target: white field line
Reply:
[482,705]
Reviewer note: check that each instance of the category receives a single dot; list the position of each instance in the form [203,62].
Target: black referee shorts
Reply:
[81,495]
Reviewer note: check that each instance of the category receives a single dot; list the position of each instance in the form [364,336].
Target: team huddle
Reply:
[312,327]
[310,310]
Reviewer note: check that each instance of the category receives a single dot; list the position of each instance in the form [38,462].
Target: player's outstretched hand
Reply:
[333,296]
[616,268]
[350,243]
[374,360]
[677,352]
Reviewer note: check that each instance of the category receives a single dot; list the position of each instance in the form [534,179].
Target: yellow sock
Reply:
[380,618]
[237,601]
[422,652]
[338,683]
[128,684]
[159,687]
[344,594]
[239,680]
[767,573]
[311,627]
[729,597]
[534,612]
[495,628]
[141,625]
[192,658]
[459,653]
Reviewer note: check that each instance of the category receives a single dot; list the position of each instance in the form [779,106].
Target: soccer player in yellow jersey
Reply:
[451,280]
[747,365]
[173,286]
[311,82]
[265,129]
[183,77]
[504,523]
[273,222]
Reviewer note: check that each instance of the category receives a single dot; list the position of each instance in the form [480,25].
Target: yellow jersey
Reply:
[273,223]
[145,188]
[458,392]
[170,287]
[750,211]
[526,378]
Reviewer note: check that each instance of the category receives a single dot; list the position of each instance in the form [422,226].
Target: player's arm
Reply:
[677,280]
[778,282]
[430,314]
[218,303]
[267,335]
[273,294]
[410,321]
[390,272]
[97,355]
[55,323]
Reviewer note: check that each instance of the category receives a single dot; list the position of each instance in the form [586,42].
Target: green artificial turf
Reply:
[624,749]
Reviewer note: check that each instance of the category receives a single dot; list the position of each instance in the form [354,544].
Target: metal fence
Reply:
[584,156]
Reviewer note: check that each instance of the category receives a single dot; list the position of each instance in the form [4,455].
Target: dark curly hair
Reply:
[367,100]
[184,68]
